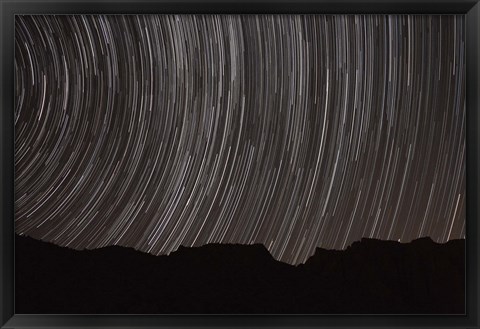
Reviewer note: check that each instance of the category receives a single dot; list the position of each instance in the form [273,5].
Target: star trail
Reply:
[294,131]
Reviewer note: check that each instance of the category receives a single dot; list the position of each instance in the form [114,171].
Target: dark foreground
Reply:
[371,276]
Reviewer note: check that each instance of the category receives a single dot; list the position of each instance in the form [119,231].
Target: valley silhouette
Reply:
[369,277]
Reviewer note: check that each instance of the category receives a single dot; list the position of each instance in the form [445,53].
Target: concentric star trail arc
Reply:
[295,131]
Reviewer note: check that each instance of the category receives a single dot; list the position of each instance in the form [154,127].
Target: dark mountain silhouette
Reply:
[370,276]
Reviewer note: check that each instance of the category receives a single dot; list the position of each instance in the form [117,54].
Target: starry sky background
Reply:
[295,131]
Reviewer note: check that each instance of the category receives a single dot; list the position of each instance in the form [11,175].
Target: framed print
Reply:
[236,164]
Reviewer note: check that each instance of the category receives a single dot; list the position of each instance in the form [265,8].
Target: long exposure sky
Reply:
[295,131]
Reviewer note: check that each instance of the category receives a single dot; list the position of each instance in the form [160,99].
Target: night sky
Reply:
[293,131]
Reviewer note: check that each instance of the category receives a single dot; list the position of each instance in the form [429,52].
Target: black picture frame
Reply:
[8,9]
